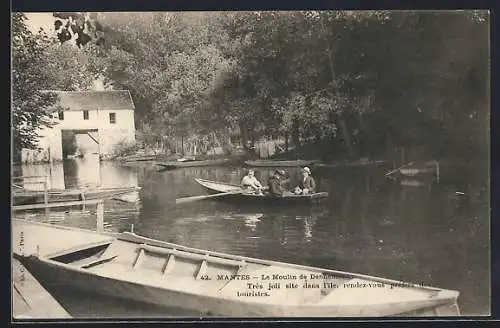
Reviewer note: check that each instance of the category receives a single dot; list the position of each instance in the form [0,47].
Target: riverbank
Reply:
[30,300]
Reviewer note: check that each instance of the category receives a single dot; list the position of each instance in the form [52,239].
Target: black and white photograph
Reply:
[250,164]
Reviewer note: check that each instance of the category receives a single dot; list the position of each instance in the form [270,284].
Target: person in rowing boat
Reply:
[250,184]
[307,185]
[275,187]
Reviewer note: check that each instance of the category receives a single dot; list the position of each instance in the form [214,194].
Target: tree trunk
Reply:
[295,133]
[343,125]
[362,139]
[345,134]
[296,136]
[243,134]
[182,145]
[286,141]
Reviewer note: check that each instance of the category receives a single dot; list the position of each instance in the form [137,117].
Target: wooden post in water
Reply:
[100,216]
[46,198]
[437,171]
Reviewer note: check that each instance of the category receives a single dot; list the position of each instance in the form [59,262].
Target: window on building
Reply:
[61,115]
[85,114]
[112,118]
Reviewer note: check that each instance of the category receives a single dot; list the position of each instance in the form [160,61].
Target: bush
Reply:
[125,148]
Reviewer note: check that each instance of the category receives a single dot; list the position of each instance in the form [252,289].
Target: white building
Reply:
[98,121]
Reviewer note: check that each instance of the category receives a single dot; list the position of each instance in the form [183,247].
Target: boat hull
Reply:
[412,172]
[133,267]
[264,163]
[37,197]
[139,158]
[177,165]
[358,164]
[56,276]
[265,199]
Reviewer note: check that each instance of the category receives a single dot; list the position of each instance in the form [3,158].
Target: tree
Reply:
[39,63]
[168,61]
[29,105]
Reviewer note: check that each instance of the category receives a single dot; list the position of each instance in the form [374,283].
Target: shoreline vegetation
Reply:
[225,83]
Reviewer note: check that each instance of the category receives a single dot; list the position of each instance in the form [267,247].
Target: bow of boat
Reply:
[152,271]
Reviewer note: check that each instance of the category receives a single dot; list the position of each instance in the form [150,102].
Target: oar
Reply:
[399,168]
[193,198]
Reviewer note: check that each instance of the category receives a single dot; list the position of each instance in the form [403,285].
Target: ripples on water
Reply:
[436,234]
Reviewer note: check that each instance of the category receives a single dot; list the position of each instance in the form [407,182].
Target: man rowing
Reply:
[250,184]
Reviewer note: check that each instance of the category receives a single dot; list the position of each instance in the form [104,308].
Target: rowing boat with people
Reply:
[234,193]
[132,267]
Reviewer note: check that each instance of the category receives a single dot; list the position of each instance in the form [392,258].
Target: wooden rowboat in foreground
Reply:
[23,197]
[219,187]
[129,266]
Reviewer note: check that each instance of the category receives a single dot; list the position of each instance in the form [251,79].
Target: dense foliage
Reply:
[353,83]
[39,63]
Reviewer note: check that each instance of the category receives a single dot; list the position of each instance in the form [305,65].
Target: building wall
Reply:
[109,134]
[98,119]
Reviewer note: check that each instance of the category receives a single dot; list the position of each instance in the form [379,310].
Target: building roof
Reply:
[92,100]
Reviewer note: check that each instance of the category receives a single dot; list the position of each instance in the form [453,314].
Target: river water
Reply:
[431,233]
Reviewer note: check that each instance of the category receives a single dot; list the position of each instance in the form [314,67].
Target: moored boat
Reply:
[360,163]
[129,266]
[138,158]
[193,163]
[23,197]
[278,163]
[219,187]
[414,171]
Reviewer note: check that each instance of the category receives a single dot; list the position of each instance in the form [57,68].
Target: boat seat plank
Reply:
[202,270]
[169,264]
[98,261]
[127,252]
[183,254]
[139,258]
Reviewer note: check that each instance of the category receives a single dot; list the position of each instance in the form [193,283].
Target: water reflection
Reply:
[86,172]
[54,173]
[369,224]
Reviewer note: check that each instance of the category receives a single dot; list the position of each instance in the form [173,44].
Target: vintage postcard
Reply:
[250,164]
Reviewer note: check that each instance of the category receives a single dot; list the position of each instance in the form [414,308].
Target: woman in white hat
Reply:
[307,185]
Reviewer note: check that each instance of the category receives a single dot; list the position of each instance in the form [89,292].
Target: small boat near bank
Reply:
[240,196]
[279,163]
[138,158]
[171,165]
[24,197]
[353,164]
[425,169]
[133,267]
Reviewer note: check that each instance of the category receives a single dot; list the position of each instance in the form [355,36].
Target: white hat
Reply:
[306,169]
